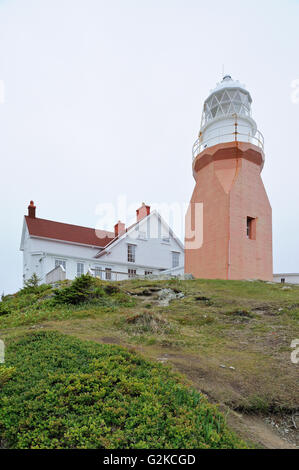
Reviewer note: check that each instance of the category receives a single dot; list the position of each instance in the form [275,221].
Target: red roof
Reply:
[67,232]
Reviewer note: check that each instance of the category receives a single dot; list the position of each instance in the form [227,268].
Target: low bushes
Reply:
[5,374]
[67,393]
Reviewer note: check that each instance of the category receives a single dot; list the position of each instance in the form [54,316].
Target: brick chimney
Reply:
[143,211]
[119,228]
[31,210]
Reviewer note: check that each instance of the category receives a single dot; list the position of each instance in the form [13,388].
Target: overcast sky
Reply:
[104,98]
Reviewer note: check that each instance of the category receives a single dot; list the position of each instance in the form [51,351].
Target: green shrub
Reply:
[111,289]
[5,308]
[79,291]
[73,394]
[5,374]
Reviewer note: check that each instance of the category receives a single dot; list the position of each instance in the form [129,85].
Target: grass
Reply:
[247,327]
[66,393]
[28,307]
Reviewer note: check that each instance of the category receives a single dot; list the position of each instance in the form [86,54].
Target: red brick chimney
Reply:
[31,210]
[119,228]
[143,211]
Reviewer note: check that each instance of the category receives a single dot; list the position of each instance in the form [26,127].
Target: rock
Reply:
[162,359]
[166,295]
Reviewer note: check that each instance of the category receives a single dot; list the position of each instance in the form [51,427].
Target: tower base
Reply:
[229,220]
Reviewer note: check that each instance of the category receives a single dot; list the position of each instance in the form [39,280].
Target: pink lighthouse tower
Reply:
[229,219]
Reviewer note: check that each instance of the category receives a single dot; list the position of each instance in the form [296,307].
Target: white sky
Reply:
[104,98]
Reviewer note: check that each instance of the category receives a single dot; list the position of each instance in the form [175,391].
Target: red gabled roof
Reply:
[67,232]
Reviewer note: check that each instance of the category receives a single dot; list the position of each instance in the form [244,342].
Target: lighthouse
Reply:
[229,218]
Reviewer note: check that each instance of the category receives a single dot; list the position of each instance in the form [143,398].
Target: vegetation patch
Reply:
[149,322]
[241,313]
[86,395]
[82,289]
[250,327]
[85,296]
[5,374]
[204,299]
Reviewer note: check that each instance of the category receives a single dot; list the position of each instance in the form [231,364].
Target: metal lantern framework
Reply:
[227,117]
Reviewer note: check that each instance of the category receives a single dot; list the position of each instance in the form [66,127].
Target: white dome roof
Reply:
[229,82]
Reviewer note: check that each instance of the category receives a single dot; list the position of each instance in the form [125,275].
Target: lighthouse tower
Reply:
[229,219]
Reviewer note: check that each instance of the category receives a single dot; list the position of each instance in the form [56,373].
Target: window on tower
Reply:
[251,228]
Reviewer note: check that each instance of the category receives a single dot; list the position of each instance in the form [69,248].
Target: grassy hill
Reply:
[229,340]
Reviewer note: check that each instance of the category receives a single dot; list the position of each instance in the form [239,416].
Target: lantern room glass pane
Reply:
[226,103]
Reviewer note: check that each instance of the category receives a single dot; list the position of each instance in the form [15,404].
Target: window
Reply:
[175,259]
[108,274]
[148,273]
[60,262]
[80,269]
[142,235]
[97,271]
[131,253]
[251,228]
[132,273]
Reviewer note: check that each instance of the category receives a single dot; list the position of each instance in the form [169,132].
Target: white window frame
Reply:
[81,270]
[175,255]
[131,253]
[97,269]
[60,262]
[131,273]
[109,272]
[142,235]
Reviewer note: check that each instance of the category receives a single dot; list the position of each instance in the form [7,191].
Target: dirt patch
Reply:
[287,426]
[272,431]
[255,429]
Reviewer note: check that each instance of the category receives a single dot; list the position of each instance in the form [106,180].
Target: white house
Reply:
[55,250]
[290,278]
